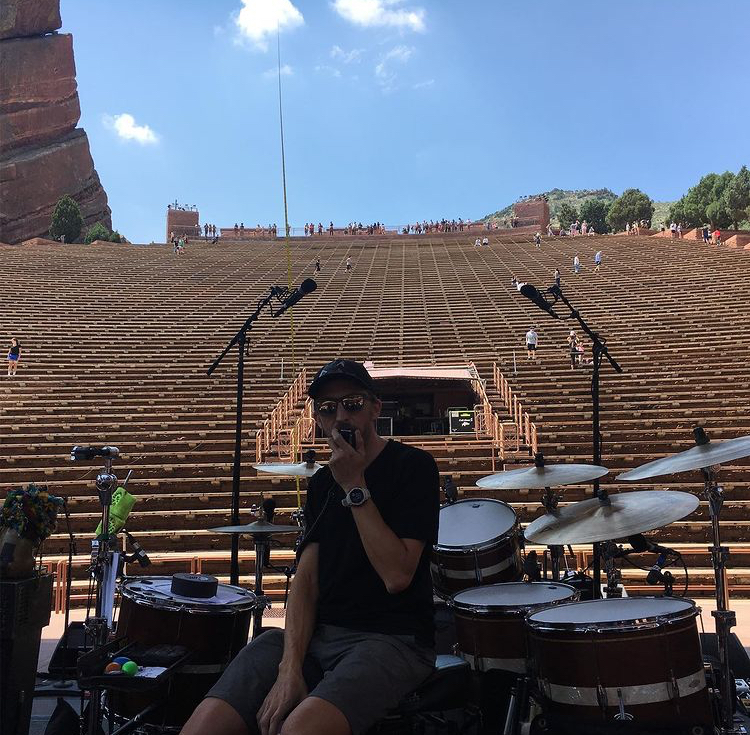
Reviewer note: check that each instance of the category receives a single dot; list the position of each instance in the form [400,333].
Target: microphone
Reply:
[140,555]
[640,544]
[534,295]
[81,453]
[269,507]
[451,491]
[654,576]
[307,286]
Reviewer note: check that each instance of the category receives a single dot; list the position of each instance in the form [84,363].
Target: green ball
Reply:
[130,668]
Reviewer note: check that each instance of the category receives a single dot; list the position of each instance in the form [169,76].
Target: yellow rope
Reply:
[287,244]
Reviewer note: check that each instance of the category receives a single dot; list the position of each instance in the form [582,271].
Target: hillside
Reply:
[576,197]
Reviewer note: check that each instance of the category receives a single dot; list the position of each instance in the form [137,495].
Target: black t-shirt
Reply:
[405,487]
[15,350]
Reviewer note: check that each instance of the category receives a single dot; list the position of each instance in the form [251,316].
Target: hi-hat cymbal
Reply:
[695,458]
[291,469]
[257,528]
[621,515]
[549,475]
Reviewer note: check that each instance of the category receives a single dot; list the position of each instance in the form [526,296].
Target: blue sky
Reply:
[397,110]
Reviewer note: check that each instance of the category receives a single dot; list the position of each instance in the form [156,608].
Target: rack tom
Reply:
[632,659]
[490,621]
[478,544]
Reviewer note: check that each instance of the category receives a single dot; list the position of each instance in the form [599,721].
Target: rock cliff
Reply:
[43,156]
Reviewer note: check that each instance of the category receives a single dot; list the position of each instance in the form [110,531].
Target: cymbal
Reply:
[291,469]
[623,514]
[257,528]
[695,458]
[549,475]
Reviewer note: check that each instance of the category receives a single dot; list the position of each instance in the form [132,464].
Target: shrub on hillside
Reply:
[594,212]
[567,214]
[708,201]
[96,232]
[66,220]
[632,206]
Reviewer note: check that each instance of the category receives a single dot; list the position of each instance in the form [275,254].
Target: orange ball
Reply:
[112,668]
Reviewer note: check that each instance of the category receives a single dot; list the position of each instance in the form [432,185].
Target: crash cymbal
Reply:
[695,458]
[263,528]
[291,469]
[550,475]
[621,515]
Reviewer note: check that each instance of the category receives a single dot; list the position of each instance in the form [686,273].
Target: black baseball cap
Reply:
[350,369]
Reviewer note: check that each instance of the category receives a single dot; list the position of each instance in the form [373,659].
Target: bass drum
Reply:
[479,543]
[213,629]
[636,659]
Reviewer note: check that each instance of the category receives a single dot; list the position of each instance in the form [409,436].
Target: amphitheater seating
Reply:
[117,339]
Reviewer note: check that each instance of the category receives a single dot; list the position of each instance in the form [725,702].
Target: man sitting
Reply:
[359,624]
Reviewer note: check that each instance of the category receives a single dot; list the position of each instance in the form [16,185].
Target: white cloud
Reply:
[384,74]
[426,83]
[125,127]
[332,70]
[369,13]
[259,19]
[346,56]
[286,71]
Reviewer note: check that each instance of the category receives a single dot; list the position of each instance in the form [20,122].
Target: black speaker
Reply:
[25,607]
[739,661]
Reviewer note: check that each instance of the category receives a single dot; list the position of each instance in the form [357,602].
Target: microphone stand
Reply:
[240,339]
[599,349]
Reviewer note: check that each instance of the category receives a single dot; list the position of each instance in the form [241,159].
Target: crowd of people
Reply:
[576,229]
[637,226]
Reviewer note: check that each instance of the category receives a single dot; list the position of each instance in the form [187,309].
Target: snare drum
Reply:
[490,621]
[478,544]
[636,658]
[213,629]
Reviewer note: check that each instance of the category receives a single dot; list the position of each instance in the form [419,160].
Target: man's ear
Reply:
[377,406]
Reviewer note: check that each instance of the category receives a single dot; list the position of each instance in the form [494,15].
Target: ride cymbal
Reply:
[620,515]
[695,458]
[549,475]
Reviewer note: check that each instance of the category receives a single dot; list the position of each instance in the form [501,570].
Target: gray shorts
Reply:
[365,675]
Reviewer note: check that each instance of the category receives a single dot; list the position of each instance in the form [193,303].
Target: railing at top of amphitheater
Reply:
[252,233]
[280,418]
[526,427]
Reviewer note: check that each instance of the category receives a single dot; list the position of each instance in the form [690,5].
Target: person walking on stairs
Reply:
[538,239]
[597,261]
[558,277]
[532,338]
[14,356]
[577,264]
[317,264]
[348,263]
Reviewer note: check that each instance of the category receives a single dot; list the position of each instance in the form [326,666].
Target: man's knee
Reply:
[316,716]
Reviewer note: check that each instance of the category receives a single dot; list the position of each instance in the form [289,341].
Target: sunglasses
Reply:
[352,403]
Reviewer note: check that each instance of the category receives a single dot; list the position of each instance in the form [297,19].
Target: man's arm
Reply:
[290,688]
[394,559]
[301,610]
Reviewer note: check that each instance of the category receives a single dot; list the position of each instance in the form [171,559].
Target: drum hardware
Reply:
[261,531]
[707,456]
[614,575]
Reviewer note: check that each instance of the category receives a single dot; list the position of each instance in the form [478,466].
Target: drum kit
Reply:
[577,663]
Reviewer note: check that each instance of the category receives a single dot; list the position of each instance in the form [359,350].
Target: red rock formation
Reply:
[32,182]
[20,18]
[38,93]
[42,154]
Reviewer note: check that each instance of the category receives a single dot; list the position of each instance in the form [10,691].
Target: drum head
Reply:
[156,592]
[470,523]
[512,595]
[627,610]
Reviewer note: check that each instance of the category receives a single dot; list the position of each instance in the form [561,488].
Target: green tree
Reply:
[566,215]
[594,211]
[97,232]
[632,206]
[693,208]
[115,237]
[736,197]
[66,220]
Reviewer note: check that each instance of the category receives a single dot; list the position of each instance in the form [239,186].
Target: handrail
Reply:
[525,426]
[280,418]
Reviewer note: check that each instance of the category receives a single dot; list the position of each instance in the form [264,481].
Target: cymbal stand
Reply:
[614,575]
[550,501]
[99,625]
[725,618]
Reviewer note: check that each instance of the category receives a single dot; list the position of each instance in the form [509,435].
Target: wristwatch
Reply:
[355,497]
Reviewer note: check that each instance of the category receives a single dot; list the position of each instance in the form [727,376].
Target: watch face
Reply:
[356,495]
